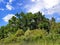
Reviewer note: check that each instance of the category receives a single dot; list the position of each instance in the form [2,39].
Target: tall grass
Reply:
[33,37]
[37,42]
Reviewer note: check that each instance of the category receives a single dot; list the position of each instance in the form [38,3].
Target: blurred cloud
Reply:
[45,6]
[8,17]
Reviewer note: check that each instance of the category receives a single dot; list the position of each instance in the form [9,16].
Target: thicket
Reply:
[30,27]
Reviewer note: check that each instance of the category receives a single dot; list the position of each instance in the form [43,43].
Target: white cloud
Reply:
[51,6]
[55,9]
[50,3]
[9,7]
[32,0]
[35,7]
[8,17]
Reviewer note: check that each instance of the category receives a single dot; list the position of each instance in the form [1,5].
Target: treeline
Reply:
[36,23]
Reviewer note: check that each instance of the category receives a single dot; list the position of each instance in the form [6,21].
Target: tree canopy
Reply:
[22,22]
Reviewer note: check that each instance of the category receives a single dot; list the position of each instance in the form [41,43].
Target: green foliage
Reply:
[30,27]
[35,34]
[19,33]
[10,39]
[14,37]
[29,21]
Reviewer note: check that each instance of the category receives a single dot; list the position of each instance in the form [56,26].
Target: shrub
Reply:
[35,34]
[9,39]
[14,37]
[19,33]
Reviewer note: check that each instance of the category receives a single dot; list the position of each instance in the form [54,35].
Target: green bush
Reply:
[19,33]
[14,37]
[10,39]
[35,34]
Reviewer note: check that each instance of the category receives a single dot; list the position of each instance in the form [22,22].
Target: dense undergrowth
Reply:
[30,29]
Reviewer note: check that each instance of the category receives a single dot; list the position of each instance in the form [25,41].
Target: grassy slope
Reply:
[45,41]
[39,42]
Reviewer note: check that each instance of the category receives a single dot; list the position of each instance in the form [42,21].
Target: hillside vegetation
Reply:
[30,29]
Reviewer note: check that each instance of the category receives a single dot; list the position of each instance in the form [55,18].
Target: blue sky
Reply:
[50,8]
